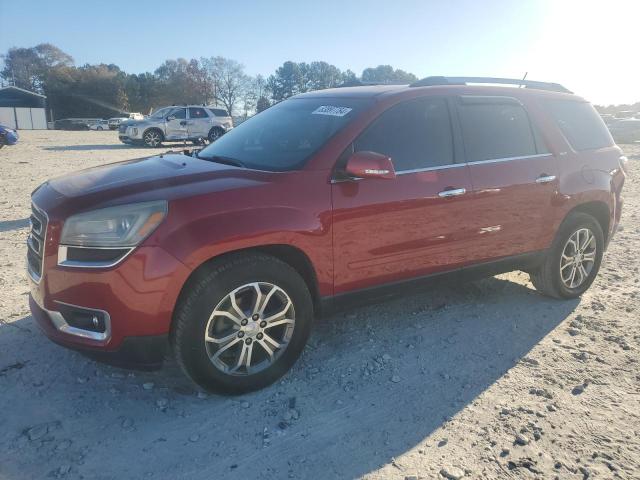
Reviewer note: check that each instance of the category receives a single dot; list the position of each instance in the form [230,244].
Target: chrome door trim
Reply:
[546,179]
[508,159]
[454,192]
[430,169]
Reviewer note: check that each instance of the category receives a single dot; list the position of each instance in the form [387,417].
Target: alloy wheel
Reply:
[250,328]
[152,139]
[578,258]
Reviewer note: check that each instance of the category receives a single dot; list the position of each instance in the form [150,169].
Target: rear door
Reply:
[391,230]
[176,124]
[514,177]
[198,123]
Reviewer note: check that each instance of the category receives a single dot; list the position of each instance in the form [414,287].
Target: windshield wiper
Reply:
[224,160]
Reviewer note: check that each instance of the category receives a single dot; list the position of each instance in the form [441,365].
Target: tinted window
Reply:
[179,113]
[285,135]
[493,129]
[415,134]
[195,112]
[580,124]
[219,112]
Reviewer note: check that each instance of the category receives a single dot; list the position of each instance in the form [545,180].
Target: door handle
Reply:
[452,192]
[183,123]
[545,178]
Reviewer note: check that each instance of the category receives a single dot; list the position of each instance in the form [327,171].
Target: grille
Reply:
[35,242]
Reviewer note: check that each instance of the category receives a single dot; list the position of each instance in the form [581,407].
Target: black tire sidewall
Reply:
[197,310]
[568,228]
[217,130]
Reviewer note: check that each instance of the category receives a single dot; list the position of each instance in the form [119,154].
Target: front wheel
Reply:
[152,138]
[243,324]
[573,261]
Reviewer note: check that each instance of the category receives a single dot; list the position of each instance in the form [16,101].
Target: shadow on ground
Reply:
[62,148]
[373,383]
[9,225]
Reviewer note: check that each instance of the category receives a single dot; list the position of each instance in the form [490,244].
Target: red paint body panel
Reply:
[391,230]
[355,234]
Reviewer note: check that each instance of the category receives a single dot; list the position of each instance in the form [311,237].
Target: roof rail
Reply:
[432,81]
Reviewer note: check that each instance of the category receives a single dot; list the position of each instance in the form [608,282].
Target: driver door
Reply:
[176,124]
[389,230]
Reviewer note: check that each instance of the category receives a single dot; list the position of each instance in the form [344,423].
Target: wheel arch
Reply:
[598,210]
[292,256]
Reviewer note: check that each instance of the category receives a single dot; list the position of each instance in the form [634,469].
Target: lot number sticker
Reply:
[331,110]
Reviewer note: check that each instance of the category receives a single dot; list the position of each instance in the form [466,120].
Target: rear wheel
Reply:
[243,325]
[573,260]
[152,138]
[215,133]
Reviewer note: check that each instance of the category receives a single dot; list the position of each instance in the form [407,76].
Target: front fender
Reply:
[195,238]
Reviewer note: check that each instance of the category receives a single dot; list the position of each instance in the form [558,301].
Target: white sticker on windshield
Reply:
[331,110]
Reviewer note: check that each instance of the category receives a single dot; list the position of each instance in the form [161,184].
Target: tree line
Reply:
[105,90]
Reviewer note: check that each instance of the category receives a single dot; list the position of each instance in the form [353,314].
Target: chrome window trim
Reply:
[63,262]
[508,159]
[454,165]
[61,324]
[429,169]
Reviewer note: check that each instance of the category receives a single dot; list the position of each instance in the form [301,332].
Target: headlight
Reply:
[122,226]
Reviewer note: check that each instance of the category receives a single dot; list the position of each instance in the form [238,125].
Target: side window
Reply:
[494,129]
[415,134]
[219,112]
[179,113]
[195,113]
[580,124]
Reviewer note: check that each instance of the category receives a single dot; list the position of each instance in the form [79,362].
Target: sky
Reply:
[591,47]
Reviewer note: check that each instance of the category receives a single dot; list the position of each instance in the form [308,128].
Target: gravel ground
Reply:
[479,380]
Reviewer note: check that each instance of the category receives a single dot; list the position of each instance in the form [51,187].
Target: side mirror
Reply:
[370,165]
[170,117]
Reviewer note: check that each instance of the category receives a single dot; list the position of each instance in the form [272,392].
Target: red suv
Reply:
[227,254]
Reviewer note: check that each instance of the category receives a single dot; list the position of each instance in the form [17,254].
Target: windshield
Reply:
[284,136]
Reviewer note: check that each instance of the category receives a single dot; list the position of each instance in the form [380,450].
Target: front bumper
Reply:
[144,352]
[130,303]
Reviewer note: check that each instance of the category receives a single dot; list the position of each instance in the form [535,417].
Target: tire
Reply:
[100,128]
[152,138]
[548,278]
[214,134]
[194,319]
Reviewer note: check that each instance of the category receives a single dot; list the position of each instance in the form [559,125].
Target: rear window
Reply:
[197,112]
[494,128]
[580,124]
[219,112]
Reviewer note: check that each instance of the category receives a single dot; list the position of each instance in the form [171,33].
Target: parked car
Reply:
[332,196]
[68,124]
[100,125]
[8,136]
[115,122]
[626,131]
[184,123]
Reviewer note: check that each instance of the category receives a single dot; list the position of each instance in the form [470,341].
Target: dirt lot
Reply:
[481,380]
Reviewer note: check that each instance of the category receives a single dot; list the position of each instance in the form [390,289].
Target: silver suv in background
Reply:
[177,123]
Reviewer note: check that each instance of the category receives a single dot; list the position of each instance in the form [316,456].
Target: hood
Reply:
[165,176]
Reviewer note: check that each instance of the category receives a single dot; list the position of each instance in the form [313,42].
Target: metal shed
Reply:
[22,109]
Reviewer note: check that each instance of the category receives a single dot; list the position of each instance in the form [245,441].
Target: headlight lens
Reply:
[121,226]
